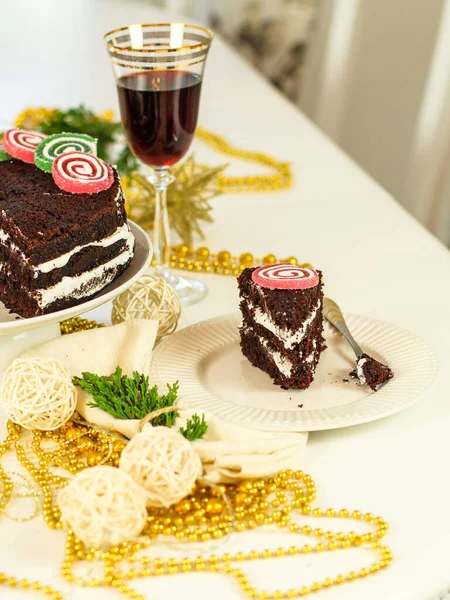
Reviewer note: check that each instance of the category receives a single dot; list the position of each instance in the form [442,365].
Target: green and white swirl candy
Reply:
[60,143]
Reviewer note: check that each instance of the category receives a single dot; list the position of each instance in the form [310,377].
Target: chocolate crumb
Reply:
[345,380]
[300,405]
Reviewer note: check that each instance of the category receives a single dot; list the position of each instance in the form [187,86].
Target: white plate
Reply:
[11,324]
[215,376]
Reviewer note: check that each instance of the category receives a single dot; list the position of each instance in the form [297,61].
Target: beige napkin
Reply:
[228,452]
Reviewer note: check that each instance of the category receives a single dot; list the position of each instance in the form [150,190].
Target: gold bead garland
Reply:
[280,180]
[31,117]
[201,516]
[34,586]
[32,493]
[78,324]
[244,498]
[202,260]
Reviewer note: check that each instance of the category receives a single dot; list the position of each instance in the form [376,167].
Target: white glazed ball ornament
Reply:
[38,393]
[149,298]
[163,462]
[103,506]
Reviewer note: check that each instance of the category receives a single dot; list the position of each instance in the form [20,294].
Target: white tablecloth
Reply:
[376,260]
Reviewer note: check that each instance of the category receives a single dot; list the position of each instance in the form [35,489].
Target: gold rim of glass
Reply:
[194,47]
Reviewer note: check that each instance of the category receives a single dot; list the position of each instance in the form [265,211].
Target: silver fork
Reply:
[333,314]
[368,370]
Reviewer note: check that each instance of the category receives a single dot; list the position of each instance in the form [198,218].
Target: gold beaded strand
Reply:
[280,180]
[202,260]
[6,482]
[201,516]
[78,324]
[33,586]
[289,490]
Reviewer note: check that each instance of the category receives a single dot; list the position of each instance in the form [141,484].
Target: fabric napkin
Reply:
[228,452]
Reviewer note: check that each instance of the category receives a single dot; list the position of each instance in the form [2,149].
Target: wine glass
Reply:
[159,70]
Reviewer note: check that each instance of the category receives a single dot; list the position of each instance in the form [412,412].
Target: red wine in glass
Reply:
[159,112]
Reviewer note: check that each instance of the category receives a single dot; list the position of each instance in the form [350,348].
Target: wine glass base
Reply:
[190,291]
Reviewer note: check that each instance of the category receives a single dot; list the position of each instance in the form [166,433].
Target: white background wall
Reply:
[368,97]
[392,54]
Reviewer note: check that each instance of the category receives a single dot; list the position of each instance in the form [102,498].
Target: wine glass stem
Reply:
[161,179]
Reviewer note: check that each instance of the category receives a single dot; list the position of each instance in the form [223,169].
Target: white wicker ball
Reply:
[103,506]
[163,462]
[149,298]
[38,393]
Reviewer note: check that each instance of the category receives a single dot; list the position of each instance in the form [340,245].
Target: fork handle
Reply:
[333,314]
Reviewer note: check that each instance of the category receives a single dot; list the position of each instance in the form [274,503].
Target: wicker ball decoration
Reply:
[38,393]
[149,298]
[163,462]
[103,506]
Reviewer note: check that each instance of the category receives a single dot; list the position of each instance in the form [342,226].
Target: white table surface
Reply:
[376,260]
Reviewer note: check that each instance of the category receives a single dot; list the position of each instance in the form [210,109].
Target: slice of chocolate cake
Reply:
[57,249]
[281,331]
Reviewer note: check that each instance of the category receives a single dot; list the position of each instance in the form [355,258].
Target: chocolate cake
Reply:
[281,331]
[57,249]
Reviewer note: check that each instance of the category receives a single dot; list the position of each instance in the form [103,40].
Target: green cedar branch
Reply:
[126,397]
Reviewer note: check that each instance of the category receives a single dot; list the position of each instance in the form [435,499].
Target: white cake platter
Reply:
[18,334]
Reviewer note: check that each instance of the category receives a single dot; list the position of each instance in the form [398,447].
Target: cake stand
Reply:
[18,334]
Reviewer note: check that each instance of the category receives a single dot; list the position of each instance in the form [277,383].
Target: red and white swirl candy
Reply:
[81,173]
[284,276]
[21,143]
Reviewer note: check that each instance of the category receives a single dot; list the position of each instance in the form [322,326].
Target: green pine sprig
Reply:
[80,119]
[195,428]
[126,397]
